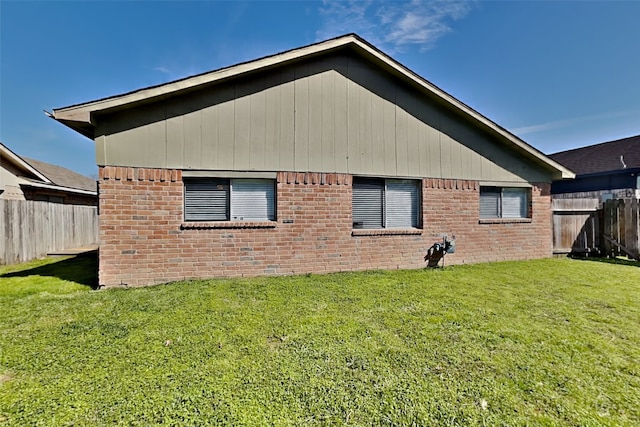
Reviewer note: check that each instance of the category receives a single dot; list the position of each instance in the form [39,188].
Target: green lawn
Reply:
[549,342]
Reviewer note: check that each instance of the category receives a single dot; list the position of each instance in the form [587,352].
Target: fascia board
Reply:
[82,112]
[59,188]
[14,158]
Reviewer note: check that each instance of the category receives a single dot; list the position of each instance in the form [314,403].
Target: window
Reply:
[498,202]
[385,203]
[215,199]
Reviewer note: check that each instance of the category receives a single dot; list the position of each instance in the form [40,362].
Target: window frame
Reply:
[379,188]
[499,192]
[230,201]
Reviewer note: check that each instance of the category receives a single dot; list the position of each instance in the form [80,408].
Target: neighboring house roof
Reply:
[21,163]
[604,157]
[80,117]
[36,173]
[63,177]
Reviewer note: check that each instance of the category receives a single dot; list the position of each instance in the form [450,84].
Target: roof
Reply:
[45,175]
[604,157]
[63,177]
[81,117]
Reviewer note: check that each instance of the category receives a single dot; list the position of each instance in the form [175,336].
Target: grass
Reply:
[549,342]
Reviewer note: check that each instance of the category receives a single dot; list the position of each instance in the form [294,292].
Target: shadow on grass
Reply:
[618,261]
[82,269]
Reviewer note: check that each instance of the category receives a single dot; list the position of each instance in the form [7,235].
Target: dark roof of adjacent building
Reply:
[604,157]
[62,177]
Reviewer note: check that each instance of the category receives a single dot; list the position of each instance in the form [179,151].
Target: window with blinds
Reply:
[498,202]
[215,199]
[385,203]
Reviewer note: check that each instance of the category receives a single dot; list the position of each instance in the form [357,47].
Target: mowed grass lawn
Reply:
[548,342]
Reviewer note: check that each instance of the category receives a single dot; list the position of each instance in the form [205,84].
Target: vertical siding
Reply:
[226,131]
[242,128]
[327,125]
[353,129]
[258,129]
[286,155]
[316,133]
[301,121]
[340,116]
[389,138]
[210,128]
[192,132]
[175,135]
[272,122]
[332,114]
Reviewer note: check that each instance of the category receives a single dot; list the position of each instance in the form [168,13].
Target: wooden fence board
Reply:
[622,227]
[31,229]
[576,225]
[580,225]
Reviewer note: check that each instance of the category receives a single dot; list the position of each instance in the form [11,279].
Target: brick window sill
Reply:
[505,221]
[388,232]
[227,224]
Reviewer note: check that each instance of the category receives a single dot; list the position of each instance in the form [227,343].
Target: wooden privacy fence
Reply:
[31,229]
[621,227]
[576,226]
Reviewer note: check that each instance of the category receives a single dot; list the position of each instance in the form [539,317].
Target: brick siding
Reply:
[144,240]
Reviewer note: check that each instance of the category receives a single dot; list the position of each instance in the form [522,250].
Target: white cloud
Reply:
[392,24]
[162,70]
[565,123]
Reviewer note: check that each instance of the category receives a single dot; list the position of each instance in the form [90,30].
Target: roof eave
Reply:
[79,117]
[60,188]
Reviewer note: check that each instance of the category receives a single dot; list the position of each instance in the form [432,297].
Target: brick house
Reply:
[330,157]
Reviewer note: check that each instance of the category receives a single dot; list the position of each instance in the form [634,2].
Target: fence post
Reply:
[606,219]
[622,228]
[634,227]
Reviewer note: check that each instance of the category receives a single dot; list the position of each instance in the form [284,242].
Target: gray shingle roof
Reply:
[62,176]
[603,157]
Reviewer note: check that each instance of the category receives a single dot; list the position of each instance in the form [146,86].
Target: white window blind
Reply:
[514,203]
[401,203]
[252,200]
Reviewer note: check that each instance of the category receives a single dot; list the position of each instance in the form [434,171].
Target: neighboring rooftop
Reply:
[37,173]
[604,157]
[63,177]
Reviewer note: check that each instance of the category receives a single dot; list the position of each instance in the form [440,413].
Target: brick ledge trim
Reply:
[227,224]
[451,184]
[388,232]
[506,221]
[121,173]
[317,178]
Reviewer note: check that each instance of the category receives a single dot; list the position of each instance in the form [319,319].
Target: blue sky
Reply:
[558,74]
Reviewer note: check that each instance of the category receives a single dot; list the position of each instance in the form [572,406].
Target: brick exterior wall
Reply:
[144,240]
